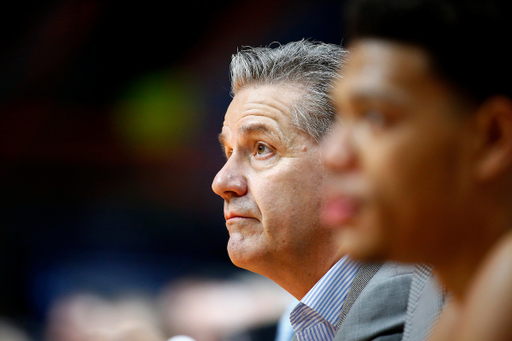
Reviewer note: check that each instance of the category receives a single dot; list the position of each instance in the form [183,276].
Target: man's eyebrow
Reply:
[365,94]
[222,139]
[258,127]
[248,129]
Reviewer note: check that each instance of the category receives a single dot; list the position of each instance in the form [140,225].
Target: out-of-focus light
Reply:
[181,338]
[158,114]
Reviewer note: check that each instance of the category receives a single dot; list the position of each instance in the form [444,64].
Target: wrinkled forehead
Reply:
[261,108]
[254,125]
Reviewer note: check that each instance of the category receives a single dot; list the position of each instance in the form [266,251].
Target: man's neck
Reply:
[299,281]
[458,271]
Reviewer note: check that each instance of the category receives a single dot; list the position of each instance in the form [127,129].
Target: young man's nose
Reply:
[338,149]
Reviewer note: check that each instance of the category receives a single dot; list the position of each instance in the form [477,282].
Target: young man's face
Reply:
[399,156]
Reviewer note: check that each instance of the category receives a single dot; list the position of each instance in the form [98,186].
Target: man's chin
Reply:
[360,247]
[238,252]
[243,255]
[243,262]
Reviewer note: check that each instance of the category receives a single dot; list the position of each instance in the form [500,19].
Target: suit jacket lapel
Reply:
[363,276]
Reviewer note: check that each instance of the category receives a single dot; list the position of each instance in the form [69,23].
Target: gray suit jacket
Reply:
[426,301]
[376,304]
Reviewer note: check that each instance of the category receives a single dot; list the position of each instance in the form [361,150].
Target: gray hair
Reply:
[312,66]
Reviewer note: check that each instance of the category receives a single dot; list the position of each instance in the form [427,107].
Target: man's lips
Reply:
[234,216]
[339,210]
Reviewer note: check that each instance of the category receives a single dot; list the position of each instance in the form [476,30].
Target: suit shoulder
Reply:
[393,269]
[380,309]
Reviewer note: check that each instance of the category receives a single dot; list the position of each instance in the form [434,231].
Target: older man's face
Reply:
[271,182]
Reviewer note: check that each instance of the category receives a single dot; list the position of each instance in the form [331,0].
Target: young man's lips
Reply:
[338,211]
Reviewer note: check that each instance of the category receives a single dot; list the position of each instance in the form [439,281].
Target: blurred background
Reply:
[109,115]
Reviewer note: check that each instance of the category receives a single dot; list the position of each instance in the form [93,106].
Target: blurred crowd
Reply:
[246,307]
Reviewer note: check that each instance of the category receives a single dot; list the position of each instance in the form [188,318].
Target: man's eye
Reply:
[228,152]
[376,118]
[262,149]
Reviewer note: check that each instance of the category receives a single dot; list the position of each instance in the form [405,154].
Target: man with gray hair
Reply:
[272,186]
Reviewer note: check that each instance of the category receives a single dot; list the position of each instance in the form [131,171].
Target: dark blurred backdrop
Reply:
[109,115]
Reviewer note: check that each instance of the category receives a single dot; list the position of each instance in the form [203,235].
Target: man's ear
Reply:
[494,119]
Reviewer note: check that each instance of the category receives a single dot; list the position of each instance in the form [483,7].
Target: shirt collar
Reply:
[328,294]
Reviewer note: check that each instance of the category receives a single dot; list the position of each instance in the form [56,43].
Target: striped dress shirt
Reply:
[315,317]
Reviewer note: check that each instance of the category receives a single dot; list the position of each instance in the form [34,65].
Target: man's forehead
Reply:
[381,69]
[253,124]
[261,109]
[275,102]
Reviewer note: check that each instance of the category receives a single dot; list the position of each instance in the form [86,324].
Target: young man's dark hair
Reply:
[468,40]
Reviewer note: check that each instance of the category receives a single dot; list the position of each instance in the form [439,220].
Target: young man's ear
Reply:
[495,130]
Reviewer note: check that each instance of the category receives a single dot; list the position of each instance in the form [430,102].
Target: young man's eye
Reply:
[376,118]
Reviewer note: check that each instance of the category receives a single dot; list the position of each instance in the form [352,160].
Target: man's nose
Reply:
[338,149]
[230,181]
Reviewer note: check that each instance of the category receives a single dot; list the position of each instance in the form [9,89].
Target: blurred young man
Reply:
[272,185]
[422,158]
